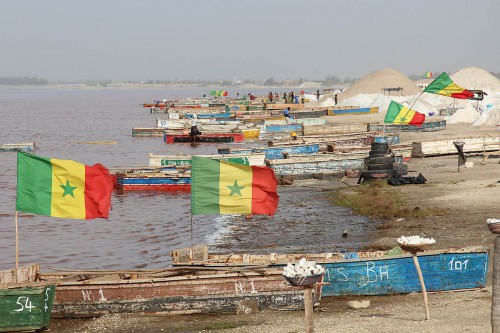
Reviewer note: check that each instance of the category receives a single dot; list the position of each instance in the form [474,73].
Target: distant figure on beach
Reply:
[238,95]
[318,94]
[335,99]
[276,95]
[252,97]
[292,97]
[270,96]
[302,99]
[286,113]
[284,97]
[194,129]
[204,95]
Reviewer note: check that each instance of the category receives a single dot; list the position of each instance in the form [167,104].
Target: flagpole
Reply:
[17,247]
[192,241]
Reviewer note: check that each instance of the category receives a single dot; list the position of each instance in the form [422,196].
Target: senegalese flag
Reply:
[220,187]
[401,115]
[428,74]
[443,85]
[62,188]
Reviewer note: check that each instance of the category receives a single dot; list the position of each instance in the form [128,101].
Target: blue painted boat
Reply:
[274,152]
[397,275]
[353,111]
[372,273]
[286,128]
[166,179]
[392,139]
[221,116]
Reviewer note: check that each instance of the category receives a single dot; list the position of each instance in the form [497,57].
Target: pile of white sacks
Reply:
[302,269]
[415,240]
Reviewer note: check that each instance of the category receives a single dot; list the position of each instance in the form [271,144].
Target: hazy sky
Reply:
[238,39]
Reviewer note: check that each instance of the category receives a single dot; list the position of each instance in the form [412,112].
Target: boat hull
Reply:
[26,308]
[208,137]
[136,182]
[426,127]
[25,147]
[184,295]
[368,273]
[355,111]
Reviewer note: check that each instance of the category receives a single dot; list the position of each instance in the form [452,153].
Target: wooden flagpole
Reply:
[17,245]
[192,238]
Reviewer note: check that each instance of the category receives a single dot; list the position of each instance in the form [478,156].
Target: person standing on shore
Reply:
[318,94]
[335,99]
[284,97]
[292,97]
[286,113]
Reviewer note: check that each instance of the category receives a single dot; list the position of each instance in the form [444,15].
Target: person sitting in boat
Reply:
[194,129]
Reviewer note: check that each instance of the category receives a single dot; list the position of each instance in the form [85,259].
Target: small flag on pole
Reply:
[428,74]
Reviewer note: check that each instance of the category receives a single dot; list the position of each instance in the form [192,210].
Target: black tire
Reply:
[381,166]
[380,145]
[377,154]
[380,150]
[377,174]
[381,160]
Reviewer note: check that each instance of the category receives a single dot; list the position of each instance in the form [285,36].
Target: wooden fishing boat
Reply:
[446,147]
[251,133]
[26,147]
[273,152]
[158,110]
[148,131]
[352,111]
[304,121]
[174,124]
[219,116]
[286,128]
[156,105]
[170,137]
[26,308]
[334,129]
[367,273]
[154,180]
[25,305]
[312,164]
[426,127]
[185,161]
[175,290]
[283,106]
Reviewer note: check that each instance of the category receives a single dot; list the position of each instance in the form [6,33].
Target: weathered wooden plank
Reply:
[426,127]
[446,147]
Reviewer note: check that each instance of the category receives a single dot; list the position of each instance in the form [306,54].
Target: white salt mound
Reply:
[476,78]
[488,117]
[468,115]
[327,102]
[373,83]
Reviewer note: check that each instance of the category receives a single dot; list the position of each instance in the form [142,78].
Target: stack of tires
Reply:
[380,163]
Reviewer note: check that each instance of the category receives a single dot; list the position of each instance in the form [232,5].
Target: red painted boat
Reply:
[208,137]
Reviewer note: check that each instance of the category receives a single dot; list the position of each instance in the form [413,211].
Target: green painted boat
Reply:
[25,308]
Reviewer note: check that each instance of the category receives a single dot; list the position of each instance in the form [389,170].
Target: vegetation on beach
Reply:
[379,200]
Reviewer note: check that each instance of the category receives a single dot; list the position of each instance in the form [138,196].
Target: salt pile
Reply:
[327,102]
[303,268]
[476,78]
[373,83]
[415,240]
[468,114]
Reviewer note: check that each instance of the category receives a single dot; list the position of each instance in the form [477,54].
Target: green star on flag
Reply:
[235,189]
[68,189]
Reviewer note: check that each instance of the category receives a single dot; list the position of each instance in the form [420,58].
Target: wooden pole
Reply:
[495,306]
[17,245]
[192,238]
[422,284]
[308,307]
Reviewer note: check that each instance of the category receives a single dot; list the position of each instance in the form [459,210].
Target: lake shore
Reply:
[467,198]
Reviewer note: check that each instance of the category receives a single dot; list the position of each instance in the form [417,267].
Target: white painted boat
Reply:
[185,160]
